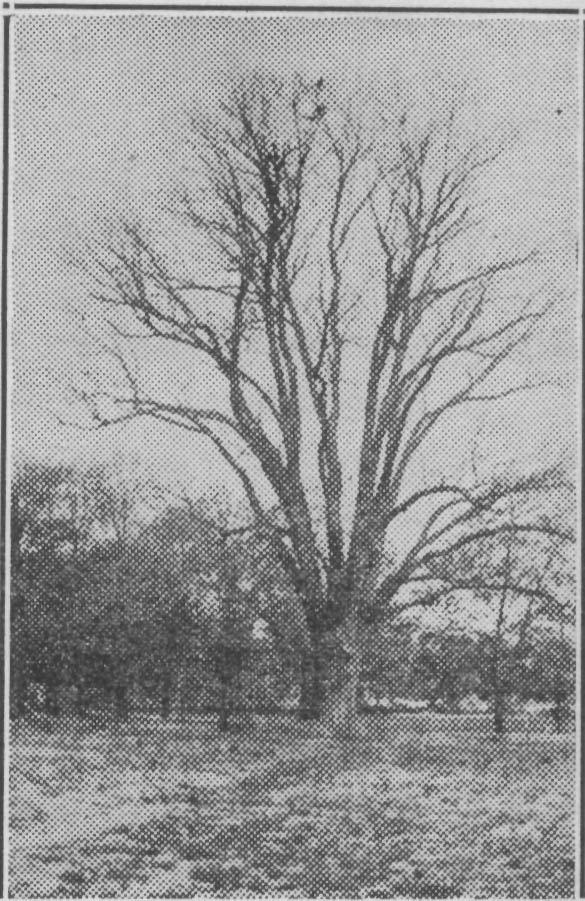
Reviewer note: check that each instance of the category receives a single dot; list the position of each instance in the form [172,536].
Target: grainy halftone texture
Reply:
[415,808]
[294,434]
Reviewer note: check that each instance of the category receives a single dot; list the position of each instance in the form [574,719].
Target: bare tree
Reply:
[291,198]
[522,570]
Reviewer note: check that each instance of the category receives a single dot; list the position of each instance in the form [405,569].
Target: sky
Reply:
[99,116]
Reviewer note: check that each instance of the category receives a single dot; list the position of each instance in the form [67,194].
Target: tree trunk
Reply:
[498,687]
[121,700]
[499,719]
[182,689]
[313,673]
[224,708]
[343,706]
[354,669]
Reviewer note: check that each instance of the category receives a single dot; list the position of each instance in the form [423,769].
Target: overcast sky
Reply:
[98,124]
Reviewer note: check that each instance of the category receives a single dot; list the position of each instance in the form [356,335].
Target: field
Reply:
[417,806]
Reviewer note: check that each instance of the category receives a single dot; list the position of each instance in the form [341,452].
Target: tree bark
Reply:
[313,676]
[498,686]
[338,706]
[343,706]
[354,672]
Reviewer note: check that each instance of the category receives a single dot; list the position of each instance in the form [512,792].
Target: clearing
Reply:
[417,806]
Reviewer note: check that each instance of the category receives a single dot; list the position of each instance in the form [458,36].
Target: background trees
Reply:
[519,569]
[178,610]
[77,583]
[303,231]
[130,604]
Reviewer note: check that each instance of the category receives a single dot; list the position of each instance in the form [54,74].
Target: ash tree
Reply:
[312,248]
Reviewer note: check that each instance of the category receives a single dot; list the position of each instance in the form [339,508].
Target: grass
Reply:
[412,806]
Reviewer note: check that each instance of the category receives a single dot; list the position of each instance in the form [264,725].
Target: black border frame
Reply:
[246,9]
[251,8]
[3,401]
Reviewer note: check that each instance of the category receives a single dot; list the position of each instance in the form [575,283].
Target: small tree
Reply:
[549,669]
[520,568]
[389,664]
[42,578]
[74,580]
[445,666]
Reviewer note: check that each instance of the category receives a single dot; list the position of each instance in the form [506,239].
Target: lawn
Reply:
[413,806]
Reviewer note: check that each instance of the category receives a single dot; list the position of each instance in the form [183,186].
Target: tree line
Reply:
[127,598]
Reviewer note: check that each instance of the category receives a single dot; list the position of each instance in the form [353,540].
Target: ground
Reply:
[416,806]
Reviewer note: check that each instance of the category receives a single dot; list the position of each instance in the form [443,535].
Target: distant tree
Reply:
[233,625]
[549,669]
[74,560]
[388,664]
[445,666]
[40,578]
[235,579]
[521,569]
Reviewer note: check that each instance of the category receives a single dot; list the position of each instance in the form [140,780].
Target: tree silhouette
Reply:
[290,196]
